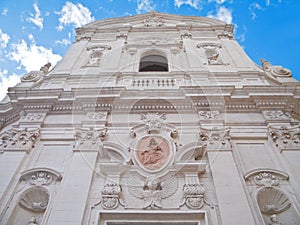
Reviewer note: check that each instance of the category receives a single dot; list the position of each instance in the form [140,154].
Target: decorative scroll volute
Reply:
[216,138]
[285,138]
[89,138]
[18,139]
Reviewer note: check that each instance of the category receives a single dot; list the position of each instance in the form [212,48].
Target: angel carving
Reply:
[153,190]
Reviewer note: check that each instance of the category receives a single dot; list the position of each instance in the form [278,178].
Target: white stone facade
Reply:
[152,119]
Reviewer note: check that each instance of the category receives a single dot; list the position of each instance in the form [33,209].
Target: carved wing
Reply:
[169,187]
[135,186]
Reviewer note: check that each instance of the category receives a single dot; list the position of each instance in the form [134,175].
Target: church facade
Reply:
[152,119]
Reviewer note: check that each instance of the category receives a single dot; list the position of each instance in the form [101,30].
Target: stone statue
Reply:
[274,220]
[46,68]
[32,221]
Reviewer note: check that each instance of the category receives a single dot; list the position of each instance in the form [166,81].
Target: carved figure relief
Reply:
[32,221]
[153,152]
[95,54]
[153,121]
[22,139]
[152,190]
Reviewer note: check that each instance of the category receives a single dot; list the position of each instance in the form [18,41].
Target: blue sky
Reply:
[35,32]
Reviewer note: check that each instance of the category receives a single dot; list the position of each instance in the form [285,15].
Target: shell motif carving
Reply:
[110,196]
[35,199]
[272,201]
[194,194]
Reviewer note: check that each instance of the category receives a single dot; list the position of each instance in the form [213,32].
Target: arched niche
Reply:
[153,63]
[271,196]
[32,196]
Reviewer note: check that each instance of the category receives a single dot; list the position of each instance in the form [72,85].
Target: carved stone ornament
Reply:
[266,180]
[95,54]
[186,35]
[215,138]
[32,76]
[21,139]
[153,121]
[35,199]
[193,194]
[45,68]
[285,137]
[40,176]
[89,138]
[275,71]
[208,115]
[96,116]
[154,21]
[153,190]
[34,117]
[276,115]
[211,51]
[110,196]
[272,201]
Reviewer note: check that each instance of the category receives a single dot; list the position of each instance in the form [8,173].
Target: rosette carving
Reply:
[110,196]
[32,76]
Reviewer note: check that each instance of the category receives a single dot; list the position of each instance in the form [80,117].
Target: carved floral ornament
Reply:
[153,121]
[276,115]
[266,178]
[209,115]
[110,195]
[21,139]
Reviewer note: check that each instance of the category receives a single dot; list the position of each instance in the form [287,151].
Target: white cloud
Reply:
[4,12]
[222,14]
[193,3]
[253,8]
[36,19]
[4,39]
[76,15]
[31,56]
[65,41]
[217,1]
[6,82]
[144,6]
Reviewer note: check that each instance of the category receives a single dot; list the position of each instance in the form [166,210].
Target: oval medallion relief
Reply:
[153,152]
